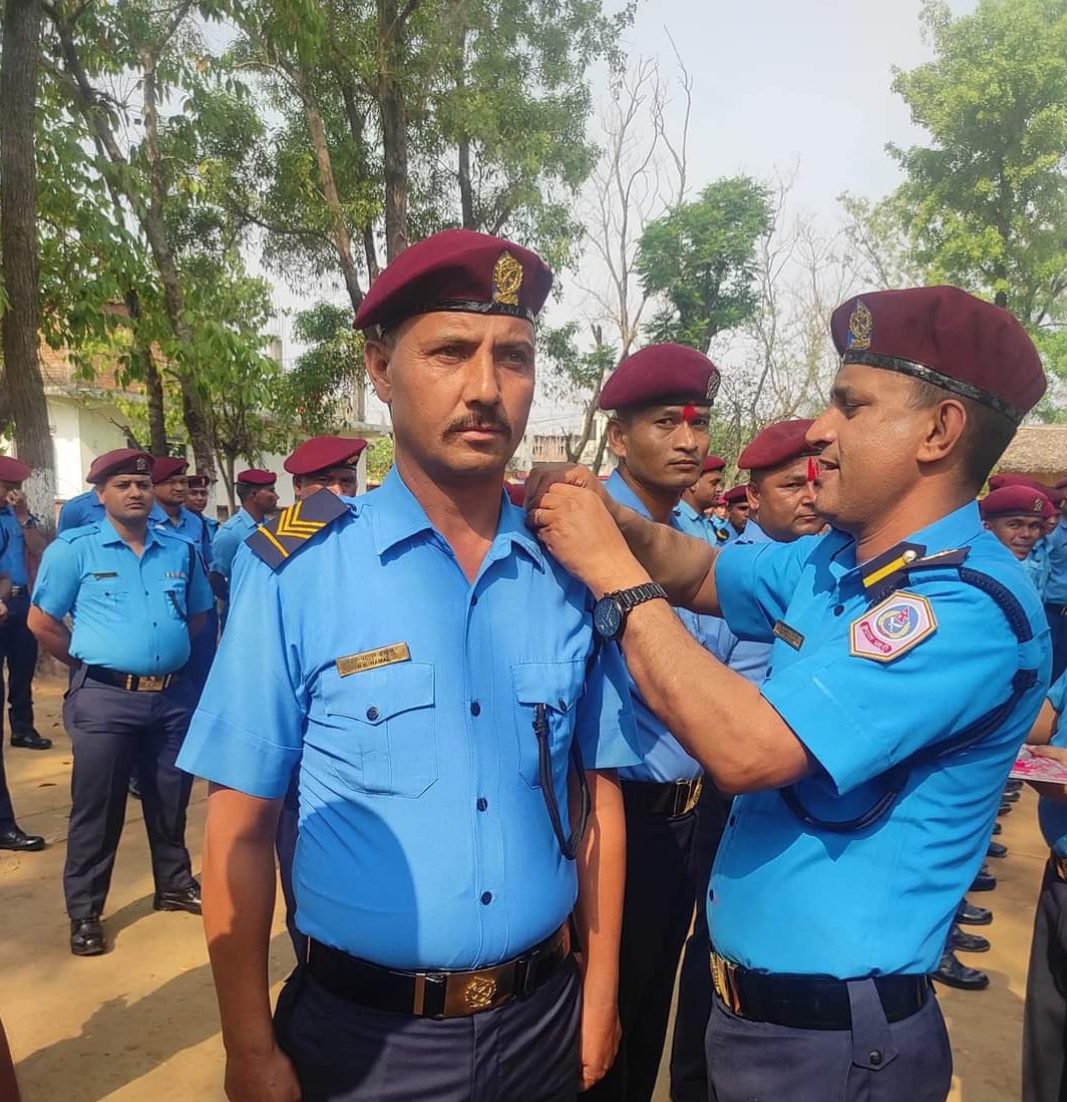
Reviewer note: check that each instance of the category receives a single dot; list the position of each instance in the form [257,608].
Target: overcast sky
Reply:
[779,83]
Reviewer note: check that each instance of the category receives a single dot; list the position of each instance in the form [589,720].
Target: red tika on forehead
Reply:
[689,413]
[813,469]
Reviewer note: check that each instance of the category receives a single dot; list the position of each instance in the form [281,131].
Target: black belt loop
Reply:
[872,1043]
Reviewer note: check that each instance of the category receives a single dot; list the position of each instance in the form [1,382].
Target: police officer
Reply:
[1016,515]
[20,544]
[326,462]
[909,661]
[692,511]
[737,509]
[171,485]
[782,499]
[256,493]
[433,673]
[86,508]
[1056,588]
[658,400]
[135,593]
[199,485]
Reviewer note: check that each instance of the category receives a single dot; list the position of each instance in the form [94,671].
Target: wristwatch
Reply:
[611,611]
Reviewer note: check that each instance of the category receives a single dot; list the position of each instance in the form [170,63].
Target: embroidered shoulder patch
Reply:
[892,628]
[275,541]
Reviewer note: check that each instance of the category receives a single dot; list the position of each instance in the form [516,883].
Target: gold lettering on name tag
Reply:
[788,635]
[372,659]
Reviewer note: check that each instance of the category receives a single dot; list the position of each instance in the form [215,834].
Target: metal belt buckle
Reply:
[153,684]
[722,973]
[695,788]
[475,991]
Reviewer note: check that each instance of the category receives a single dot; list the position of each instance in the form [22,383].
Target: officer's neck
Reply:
[172,511]
[908,516]
[132,531]
[659,502]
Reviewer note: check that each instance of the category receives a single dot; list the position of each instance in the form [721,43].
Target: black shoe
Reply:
[954,974]
[20,841]
[997,828]
[983,882]
[135,788]
[184,899]
[959,942]
[87,937]
[1013,785]
[997,849]
[1005,809]
[1009,797]
[970,915]
[30,740]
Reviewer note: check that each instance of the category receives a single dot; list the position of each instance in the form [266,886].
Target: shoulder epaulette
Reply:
[890,570]
[72,534]
[279,539]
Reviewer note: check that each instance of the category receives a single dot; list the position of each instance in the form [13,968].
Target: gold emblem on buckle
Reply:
[153,684]
[480,992]
[722,978]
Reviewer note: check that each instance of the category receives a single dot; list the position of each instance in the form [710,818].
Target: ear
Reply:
[987,526]
[99,490]
[617,438]
[948,420]
[752,493]
[376,361]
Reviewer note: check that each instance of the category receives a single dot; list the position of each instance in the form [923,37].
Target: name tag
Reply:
[102,574]
[372,659]
[788,635]
[174,574]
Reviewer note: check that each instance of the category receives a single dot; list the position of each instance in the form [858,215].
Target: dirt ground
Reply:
[140,1023]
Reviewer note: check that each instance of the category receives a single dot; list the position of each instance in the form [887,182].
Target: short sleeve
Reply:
[605,726]
[755,583]
[222,549]
[1057,694]
[70,516]
[201,599]
[860,717]
[58,579]
[248,729]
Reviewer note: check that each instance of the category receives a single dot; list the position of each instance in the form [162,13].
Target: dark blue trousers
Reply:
[874,1061]
[111,730]
[7,812]
[285,840]
[526,1051]
[18,651]
[1045,1015]
[1057,622]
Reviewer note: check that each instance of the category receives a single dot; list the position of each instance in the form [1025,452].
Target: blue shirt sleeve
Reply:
[58,579]
[755,583]
[605,725]
[223,548]
[248,729]
[71,515]
[201,598]
[1057,694]
[854,714]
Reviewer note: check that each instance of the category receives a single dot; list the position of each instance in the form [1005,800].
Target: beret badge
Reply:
[860,325]
[507,280]
[142,464]
[714,382]
[1038,505]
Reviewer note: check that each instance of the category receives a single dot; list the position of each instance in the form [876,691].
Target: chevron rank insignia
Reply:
[282,537]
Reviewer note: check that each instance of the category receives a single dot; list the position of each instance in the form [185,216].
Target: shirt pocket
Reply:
[388,738]
[176,598]
[557,686]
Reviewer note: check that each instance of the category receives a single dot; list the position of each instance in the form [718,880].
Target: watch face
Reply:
[607,617]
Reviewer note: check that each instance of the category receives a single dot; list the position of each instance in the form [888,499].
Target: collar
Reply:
[624,494]
[753,533]
[111,536]
[248,518]
[684,509]
[398,516]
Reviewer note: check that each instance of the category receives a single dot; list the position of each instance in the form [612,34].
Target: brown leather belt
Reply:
[1059,866]
[437,994]
[664,799]
[132,682]
[809,1002]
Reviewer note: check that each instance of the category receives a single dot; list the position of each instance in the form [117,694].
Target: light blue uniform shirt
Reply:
[693,523]
[12,547]
[88,509]
[212,526]
[425,842]
[664,758]
[881,900]
[191,527]
[228,539]
[1056,545]
[129,613]
[1037,568]
[1051,814]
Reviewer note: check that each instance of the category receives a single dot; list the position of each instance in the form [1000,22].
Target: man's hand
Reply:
[601,1034]
[576,527]
[546,475]
[269,1078]
[19,506]
[3,613]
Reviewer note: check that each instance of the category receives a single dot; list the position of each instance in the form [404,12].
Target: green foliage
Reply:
[578,371]
[379,458]
[317,392]
[700,259]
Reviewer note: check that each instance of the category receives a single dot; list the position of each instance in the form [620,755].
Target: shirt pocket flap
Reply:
[555,684]
[376,696]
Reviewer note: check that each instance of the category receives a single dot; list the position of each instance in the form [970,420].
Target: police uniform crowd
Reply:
[523,758]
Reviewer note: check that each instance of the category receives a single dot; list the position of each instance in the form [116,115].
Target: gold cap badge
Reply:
[507,280]
[859,328]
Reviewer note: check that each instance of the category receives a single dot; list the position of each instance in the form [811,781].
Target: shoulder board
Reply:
[72,534]
[955,556]
[282,537]
[165,529]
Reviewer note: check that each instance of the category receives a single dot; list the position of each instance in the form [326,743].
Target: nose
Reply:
[820,434]
[685,439]
[481,386]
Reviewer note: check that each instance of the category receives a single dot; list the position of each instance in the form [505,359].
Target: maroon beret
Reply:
[1016,501]
[779,443]
[11,470]
[255,477]
[944,336]
[199,481]
[165,467]
[735,495]
[457,270]
[713,463]
[667,374]
[720,501]
[323,453]
[999,481]
[119,461]
[516,491]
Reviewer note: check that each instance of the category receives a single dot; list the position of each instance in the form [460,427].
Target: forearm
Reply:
[716,714]
[238,902]
[1044,726]
[52,635]
[35,542]
[197,624]
[601,884]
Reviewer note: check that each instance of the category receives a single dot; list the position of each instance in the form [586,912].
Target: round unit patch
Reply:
[902,621]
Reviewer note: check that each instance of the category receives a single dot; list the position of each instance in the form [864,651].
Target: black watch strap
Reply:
[638,594]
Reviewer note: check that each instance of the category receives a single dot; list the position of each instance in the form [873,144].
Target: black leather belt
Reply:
[809,1002]
[1059,866]
[1058,609]
[18,590]
[437,994]
[665,799]
[133,682]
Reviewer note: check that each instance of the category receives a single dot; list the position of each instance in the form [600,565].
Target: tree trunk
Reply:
[18,240]
[153,382]
[393,110]
[198,427]
[357,128]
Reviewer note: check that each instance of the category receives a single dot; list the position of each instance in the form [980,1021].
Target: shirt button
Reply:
[876,1058]
[733,819]
[372,713]
[711,897]
[487,898]
[482,804]
[838,609]
[476,708]
[561,704]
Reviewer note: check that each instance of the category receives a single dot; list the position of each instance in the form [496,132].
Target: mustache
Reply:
[486,419]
